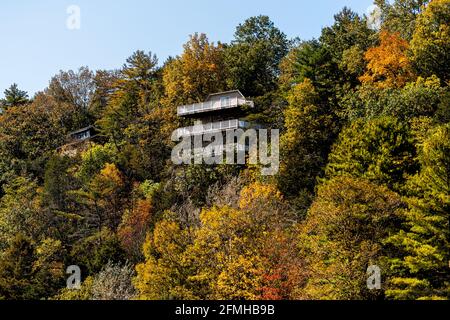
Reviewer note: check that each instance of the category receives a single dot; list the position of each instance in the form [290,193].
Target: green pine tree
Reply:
[423,266]
[14,97]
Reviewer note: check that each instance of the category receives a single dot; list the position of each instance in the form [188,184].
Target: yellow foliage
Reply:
[302,94]
[111,174]
[430,44]
[163,275]
[198,72]
[239,279]
[343,235]
[259,193]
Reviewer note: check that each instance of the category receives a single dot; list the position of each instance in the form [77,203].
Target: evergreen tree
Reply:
[14,97]
[380,150]
[423,245]
[29,271]
[253,58]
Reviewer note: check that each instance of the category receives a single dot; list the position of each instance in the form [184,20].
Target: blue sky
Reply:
[36,43]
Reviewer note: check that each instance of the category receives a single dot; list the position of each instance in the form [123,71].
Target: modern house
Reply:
[82,134]
[78,140]
[218,113]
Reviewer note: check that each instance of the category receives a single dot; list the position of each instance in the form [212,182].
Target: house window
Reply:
[225,102]
[83,135]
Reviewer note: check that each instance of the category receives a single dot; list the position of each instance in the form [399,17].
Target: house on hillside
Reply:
[78,141]
[83,134]
[220,112]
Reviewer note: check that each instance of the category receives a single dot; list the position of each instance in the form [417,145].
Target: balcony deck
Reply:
[212,106]
[212,127]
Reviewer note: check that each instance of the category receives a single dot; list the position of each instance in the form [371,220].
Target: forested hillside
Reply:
[364,175]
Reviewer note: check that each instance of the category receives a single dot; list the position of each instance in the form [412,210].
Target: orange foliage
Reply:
[284,269]
[388,65]
[134,227]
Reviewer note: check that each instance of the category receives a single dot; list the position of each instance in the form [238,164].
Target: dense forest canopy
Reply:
[364,176]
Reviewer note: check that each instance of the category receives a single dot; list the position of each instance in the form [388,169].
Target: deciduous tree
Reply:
[343,235]
[430,43]
[388,65]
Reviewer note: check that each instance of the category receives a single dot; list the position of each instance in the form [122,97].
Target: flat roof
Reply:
[224,92]
[82,130]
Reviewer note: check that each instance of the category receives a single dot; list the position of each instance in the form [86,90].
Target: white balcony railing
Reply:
[225,147]
[212,105]
[212,127]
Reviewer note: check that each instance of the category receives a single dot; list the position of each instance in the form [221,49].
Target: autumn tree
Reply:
[165,273]
[94,159]
[305,143]
[198,72]
[83,294]
[133,229]
[234,263]
[20,211]
[225,257]
[388,65]
[344,234]
[430,44]
[75,88]
[401,15]
[103,199]
[285,266]
[423,97]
